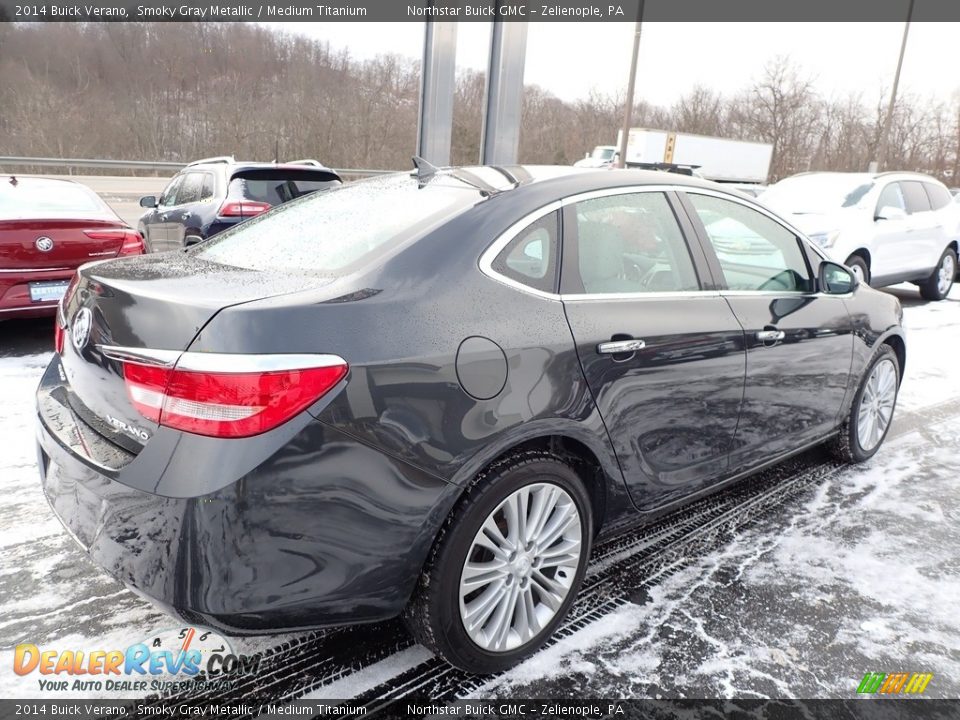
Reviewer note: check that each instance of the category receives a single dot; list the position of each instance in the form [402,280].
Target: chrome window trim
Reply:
[490,254]
[670,295]
[494,249]
[220,362]
[33,270]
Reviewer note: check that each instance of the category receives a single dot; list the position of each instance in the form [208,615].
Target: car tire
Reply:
[937,286]
[851,445]
[442,603]
[859,267]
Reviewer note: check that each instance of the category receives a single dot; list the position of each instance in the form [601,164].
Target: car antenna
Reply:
[423,170]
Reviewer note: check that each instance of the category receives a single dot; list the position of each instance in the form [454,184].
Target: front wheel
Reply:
[506,566]
[859,267]
[872,411]
[937,286]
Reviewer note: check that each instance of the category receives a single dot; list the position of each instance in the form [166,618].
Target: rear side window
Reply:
[630,243]
[916,197]
[27,199]
[938,195]
[208,185]
[531,257]
[191,190]
[275,187]
[337,232]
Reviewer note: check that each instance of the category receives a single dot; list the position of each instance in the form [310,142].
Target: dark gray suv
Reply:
[209,196]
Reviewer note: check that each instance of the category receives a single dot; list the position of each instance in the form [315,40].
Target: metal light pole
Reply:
[878,164]
[631,86]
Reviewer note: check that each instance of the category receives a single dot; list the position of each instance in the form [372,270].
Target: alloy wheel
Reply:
[520,567]
[876,404]
[945,274]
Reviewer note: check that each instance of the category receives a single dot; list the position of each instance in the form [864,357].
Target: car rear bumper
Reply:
[326,531]
[15,299]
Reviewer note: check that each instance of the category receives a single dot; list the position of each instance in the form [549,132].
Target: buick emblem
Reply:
[43,243]
[80,332]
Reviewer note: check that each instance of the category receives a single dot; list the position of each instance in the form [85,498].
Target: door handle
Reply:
[770,335]
[614,347]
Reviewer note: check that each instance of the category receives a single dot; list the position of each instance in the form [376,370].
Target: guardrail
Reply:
[98,164]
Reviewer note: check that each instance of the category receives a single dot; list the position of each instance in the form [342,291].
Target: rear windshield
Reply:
[278,186]
[336,232]
[27,199]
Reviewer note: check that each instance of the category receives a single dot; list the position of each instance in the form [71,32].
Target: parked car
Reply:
[603,156]
[211,195]
[47,229]
[401,397]
[888,228]
[751,189]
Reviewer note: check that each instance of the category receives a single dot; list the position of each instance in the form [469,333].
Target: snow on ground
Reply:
[859,574]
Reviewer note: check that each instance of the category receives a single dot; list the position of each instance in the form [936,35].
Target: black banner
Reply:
[853,709]
[477,10]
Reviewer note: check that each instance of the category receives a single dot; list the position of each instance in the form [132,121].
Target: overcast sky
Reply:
[569,59]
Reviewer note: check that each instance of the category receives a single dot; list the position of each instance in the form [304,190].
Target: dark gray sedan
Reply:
[428,394]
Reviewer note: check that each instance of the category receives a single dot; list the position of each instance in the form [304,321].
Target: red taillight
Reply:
[60,320]
[57,335]
[242,208]
[226,404]
[131,242]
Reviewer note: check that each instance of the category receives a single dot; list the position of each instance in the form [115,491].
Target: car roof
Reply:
[868,176]
[40,181]
[566,179]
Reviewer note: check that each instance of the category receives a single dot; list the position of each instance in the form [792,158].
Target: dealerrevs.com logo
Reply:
[160,663]
[894,683]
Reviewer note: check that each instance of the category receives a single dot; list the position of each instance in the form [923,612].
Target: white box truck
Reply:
[715,158]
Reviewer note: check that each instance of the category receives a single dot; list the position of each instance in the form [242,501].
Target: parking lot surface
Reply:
[792,584]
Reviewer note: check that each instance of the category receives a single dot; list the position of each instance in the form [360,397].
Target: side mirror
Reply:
[835,279]
[888,212]
[148,201]
[192,240]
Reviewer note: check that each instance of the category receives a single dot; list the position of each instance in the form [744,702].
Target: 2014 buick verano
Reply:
[427,394]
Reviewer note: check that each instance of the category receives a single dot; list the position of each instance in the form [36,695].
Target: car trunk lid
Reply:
[155,304]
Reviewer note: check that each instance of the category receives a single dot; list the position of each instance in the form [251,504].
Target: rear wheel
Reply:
[507,565]
[859,267]
[937,286]
[872,411]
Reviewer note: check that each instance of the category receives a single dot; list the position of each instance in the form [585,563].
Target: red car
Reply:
[48,228]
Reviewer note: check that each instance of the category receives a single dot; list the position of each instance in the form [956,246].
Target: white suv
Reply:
[888,228]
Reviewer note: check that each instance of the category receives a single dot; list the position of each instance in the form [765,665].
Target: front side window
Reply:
[169,196]
[630,243]
[755,252]
[891,197]
[531,257]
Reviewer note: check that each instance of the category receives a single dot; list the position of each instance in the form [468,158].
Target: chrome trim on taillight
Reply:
[228,362]
[141,356]
[220,362]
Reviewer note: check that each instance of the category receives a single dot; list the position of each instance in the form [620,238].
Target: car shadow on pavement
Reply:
[26,337]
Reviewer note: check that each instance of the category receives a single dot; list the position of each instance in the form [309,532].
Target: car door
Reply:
[944,225]
[799,342]
[924,227]
[889,246]
[154,222]
[168,202]
[660,349]
[180,216]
